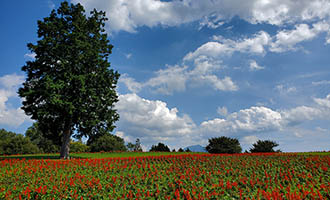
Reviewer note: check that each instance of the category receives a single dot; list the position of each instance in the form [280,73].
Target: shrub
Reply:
[223,145]
[78,147]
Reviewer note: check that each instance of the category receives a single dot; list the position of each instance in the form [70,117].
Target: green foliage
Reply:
[137,146]
[130,146]
[134,147]
[108,142]
[180,150]
[223,145]
[12,143]
[78,147]
[160,147]
[70,87]
[263,146]
[38,138]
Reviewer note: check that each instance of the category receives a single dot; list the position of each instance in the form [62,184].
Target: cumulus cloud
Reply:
[254,66]
[254,119]
[177,78]
[287,39]
[152,121]
[249,140]
[169,80]
[223,47]
[128,15]
[8,114]
[130,83]
[259,119]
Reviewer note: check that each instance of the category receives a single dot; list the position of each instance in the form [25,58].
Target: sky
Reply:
[196,69]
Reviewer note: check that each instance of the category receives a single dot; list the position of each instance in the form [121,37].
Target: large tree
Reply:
[224,145]
[263,146]
[70,88]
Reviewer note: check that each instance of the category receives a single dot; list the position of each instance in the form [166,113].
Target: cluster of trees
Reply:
[160,147]
[231,145]
[35,141]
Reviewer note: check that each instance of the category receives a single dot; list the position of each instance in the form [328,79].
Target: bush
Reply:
[78,147]
[223,145]
[263,146]
[12,143]
[160,147]
[108,142]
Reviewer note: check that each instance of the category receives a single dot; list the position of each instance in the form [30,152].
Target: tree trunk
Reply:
[65,148]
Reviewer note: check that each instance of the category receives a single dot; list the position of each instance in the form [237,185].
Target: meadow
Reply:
[167,176]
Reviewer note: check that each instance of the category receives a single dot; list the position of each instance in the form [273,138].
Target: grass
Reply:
[123,155]
[94,155]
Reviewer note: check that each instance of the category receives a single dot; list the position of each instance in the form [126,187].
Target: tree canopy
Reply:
[108,142]
[70,88]
[223,145]
[263,146]
[160,147]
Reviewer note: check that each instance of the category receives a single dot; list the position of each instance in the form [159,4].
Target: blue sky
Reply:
[196,69]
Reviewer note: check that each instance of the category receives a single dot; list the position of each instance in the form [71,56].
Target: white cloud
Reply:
[324,82]
[130,83]
[177,78]
[325,103]
[286,40]
[249,140]
[51,4]
[260,119]
[254,119]
[128,56]
[128,15]
[223,47]
[153,122]
[223,111]
[169,80]
[254,66]
[8,87]
[30,55]
[282,89]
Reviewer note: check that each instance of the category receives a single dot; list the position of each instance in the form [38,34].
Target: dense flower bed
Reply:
[204,176]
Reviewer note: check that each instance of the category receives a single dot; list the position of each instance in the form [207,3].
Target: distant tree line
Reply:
[35,141]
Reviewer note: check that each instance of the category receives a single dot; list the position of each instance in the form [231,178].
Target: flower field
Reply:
[188,176]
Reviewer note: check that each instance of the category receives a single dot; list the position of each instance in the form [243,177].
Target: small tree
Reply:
[108,142]
[137,146]
[263,146]
[224,145]
[70,88]
[130,146]
[160,147]
[187,150]
[180,150]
